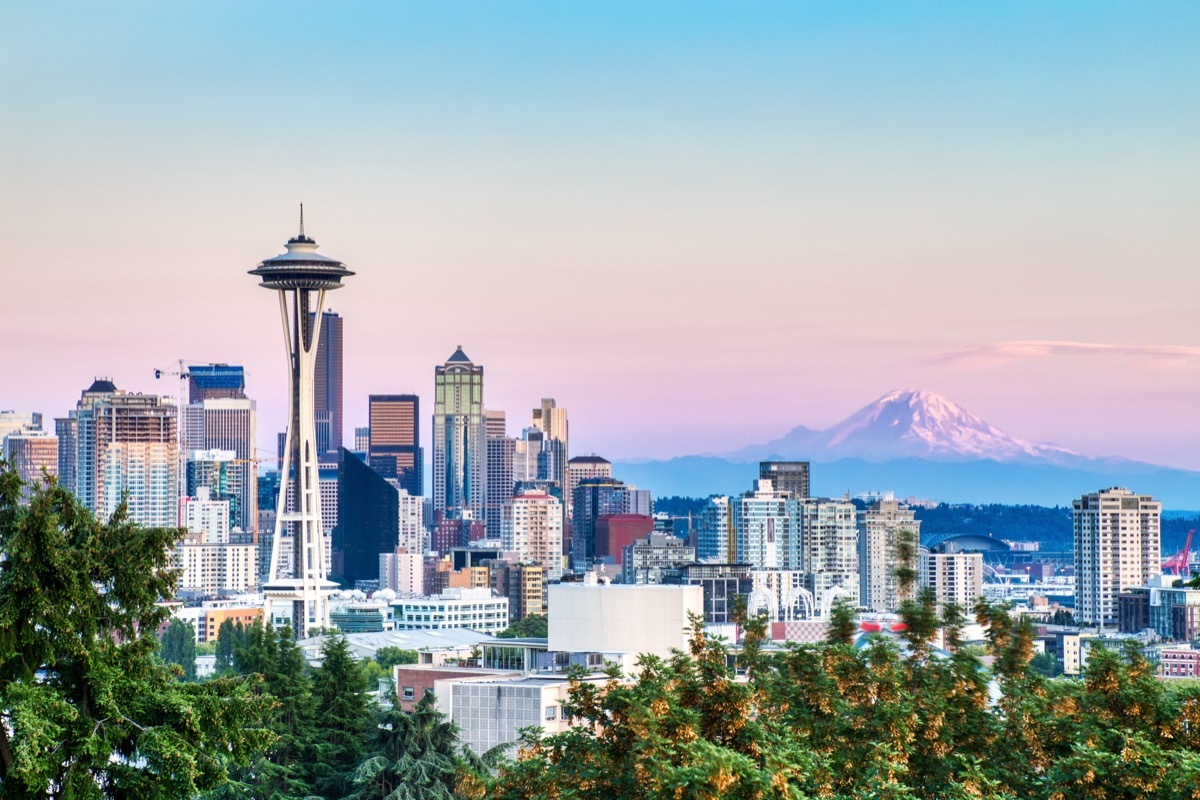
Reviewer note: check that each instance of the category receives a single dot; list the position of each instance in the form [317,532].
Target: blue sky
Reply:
[778,211]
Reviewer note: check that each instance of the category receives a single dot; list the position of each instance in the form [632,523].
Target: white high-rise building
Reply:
[954,577]
[412,522]
[827,541]
[714,534]
[227,424]
[402,572]
[531,525]
[879,535]
[763,529]
[1117,547]
[208,563]
[205,516]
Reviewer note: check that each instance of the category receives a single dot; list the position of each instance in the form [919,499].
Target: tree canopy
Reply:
[87,709]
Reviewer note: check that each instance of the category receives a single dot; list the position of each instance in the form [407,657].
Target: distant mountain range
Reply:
[919,443]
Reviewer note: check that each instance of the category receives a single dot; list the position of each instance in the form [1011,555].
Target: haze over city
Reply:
[693,226]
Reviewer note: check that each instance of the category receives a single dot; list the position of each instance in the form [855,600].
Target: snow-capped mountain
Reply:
[908,424]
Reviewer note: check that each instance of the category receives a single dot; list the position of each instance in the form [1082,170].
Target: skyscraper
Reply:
[33,454]
[531,525]
[500,450]
[224,421]
[76,442]
[879,530]
[789,477]
[552,460]
[215,382]
[394,439]
[1116,547]
[595,498]
[327,391]
[133,457]
[459,437]
[301,277]
[368,519]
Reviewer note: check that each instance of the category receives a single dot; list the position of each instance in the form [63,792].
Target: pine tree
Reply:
[87,709]
[179,647]
[413,756]
[343,715]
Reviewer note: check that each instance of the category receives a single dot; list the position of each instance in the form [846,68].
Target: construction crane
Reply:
[1178,563]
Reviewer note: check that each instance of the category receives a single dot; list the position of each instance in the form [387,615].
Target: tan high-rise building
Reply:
[133,457]
[1117,547]
[34,457]
[581,467]
[954,577]
[879,535]
[552,463]
[532,527]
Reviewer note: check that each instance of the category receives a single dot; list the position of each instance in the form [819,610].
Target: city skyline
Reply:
[992,203]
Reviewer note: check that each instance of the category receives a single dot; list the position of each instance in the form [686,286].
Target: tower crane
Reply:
[1178,563]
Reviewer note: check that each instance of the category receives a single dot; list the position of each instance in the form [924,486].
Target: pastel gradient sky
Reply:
[694,224]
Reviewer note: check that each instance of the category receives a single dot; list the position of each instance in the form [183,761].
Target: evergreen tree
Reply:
[285,769]
[179,647]
[229,636]
[86,709]
[413,756]
[343,714]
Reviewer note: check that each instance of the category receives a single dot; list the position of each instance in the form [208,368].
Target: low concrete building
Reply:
[474,609]
[587,617]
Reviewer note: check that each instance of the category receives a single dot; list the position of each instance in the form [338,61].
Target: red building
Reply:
[614,532]
[1179,662]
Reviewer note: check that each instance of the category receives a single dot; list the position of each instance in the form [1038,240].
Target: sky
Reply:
[696,225]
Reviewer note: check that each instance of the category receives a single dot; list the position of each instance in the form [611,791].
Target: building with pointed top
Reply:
[459,437]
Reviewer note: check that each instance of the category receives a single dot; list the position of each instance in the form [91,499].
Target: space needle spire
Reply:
[301,276]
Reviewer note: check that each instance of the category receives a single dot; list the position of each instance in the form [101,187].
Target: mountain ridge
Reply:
[920,444]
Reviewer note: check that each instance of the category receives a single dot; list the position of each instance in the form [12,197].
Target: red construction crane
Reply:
[1178,563]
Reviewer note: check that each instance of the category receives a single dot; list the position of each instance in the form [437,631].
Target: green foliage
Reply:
[1063,617]
[229,637]
[179,647]
[412,756]
[343,714]
[881,719]
[88,711]
[388,657]
[533,626]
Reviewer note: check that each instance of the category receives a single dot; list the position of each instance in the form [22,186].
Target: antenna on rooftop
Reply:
[302,220]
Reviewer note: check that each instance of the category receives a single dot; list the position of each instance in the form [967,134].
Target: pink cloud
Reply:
[1019,350]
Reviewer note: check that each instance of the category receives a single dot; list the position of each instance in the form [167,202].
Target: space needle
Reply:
[301,276]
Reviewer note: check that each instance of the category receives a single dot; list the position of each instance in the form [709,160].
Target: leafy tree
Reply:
[86,709]
[179,647]
[531,626]
[388,657]
[1062,617]
[343,714]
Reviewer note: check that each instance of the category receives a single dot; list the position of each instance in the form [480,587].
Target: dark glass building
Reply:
[216,382]
[327,383]
[594,498]
[368,519]
[786,476]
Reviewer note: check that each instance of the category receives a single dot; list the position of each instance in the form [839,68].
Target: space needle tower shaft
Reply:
[301,276]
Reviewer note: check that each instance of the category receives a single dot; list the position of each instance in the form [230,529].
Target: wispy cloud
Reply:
[1020,350]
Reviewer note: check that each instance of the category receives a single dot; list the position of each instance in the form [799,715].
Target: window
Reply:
[551,712]
[408,693]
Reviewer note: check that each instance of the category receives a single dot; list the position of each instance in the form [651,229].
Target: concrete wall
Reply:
[608,618]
